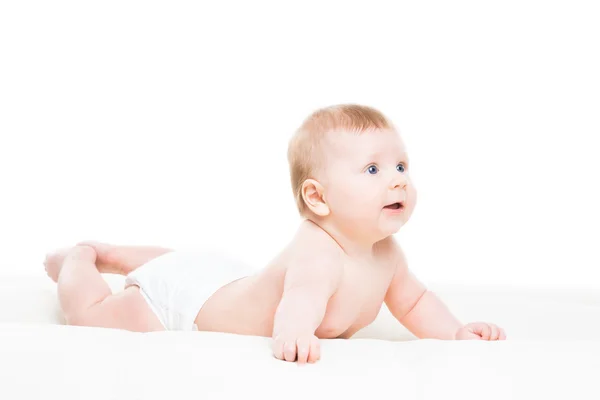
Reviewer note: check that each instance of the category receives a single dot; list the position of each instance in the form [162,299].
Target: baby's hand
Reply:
[301,348]
[480,331]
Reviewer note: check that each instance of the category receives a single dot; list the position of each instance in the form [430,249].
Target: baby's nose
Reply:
[398,181]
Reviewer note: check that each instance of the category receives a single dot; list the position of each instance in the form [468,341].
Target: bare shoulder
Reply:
[313,255]
[314,243]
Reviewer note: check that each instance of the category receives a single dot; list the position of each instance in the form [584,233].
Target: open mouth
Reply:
[394,206]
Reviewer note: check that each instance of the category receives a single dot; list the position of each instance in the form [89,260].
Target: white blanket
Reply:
[553,351]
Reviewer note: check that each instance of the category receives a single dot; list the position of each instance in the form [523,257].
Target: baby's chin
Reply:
[390,226]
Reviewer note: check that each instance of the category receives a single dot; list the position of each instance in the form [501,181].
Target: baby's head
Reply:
[349,167]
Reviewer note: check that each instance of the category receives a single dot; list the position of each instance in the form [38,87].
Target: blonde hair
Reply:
[303,148]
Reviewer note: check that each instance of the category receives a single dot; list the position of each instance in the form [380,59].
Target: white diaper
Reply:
[177,284]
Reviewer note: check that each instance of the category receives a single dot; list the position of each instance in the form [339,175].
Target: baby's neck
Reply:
[354,246]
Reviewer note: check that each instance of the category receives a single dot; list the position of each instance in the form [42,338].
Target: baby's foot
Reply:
[104,260]
[54,261]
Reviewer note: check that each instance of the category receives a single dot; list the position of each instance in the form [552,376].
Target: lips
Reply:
[394,206]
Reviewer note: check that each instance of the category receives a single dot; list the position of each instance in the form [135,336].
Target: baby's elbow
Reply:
[403,307]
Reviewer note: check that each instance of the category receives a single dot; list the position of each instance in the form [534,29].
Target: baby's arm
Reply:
[417,308]
[423,313]
[312,277]
[307,290]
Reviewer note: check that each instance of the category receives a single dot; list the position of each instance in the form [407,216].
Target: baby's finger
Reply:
[485,331]
[471,336]
[494,332]
[480,329]
[315,351]
[303,350]
[502,334]
[278,349]
[289,350]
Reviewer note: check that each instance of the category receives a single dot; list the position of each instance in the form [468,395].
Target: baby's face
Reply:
[366,182]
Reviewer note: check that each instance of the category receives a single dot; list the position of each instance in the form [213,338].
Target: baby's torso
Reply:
[248,305]
[358,300]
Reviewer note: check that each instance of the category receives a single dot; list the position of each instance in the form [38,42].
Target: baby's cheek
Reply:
[349,208]
[342,198]
[355,210]
[411,195]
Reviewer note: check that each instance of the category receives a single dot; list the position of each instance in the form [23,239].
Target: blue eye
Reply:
[400,167]
[372,170]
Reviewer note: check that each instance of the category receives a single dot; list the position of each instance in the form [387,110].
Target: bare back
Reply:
[248,305]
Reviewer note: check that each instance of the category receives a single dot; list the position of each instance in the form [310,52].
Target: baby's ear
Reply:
[314,197]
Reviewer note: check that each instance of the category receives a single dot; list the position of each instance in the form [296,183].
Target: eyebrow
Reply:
[403,155]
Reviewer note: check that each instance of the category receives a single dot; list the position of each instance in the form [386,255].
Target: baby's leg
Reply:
[122,259]
[86,299]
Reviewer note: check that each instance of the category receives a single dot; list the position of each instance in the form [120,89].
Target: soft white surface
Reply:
[553,351]
[91,363]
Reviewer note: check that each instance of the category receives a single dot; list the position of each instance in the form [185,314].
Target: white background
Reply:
[167,124]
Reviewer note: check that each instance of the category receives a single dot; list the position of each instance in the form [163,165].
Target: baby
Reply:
[350,178]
